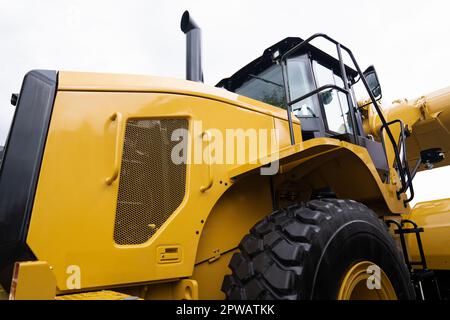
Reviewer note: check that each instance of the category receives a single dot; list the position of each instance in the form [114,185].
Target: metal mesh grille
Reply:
[151,186]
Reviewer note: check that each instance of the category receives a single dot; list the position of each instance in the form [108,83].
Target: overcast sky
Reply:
[407,41]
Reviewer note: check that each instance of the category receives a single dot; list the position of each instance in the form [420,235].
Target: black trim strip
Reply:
[21,166]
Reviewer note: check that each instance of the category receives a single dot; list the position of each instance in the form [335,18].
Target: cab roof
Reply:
[266,60]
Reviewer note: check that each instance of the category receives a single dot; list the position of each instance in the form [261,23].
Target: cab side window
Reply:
[301,82]
[337,115]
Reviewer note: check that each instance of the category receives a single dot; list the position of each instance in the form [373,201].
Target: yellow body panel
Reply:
[434,217]
[33,280]
[72,190]
[246,203]
[231,218]
[84,81]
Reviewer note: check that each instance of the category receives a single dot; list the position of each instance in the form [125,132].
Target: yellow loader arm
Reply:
[432,129]
[428,121]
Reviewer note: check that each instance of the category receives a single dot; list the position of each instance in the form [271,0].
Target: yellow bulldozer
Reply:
[277,183]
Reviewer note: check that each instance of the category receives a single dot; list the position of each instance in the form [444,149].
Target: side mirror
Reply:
[374,84]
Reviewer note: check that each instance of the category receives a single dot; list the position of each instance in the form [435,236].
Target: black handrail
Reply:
[283,61]
[316,91]
[287,100]
[403,171]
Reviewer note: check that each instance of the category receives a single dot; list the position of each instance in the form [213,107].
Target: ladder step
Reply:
[423,274]
[411,230]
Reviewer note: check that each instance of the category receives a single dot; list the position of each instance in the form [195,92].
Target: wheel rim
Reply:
[354,285]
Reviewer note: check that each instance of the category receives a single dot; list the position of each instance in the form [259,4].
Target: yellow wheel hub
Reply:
[366,281]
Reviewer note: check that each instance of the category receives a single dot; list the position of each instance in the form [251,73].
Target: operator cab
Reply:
[325,114]
[312,87]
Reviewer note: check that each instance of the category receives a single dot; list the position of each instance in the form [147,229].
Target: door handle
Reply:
[117,117]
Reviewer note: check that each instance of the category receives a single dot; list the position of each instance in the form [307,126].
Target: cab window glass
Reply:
[266,87]
[334,102]
[301,82]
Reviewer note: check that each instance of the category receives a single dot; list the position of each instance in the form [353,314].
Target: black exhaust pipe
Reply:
[193,33]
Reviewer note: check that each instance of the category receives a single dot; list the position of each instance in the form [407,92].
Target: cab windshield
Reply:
[266,86]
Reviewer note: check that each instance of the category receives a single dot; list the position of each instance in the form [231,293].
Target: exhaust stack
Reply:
[193,33]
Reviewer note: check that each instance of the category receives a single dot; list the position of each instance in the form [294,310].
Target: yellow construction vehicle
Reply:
[278,183]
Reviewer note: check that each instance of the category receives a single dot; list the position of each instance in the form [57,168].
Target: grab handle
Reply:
[117,116]
[206,136]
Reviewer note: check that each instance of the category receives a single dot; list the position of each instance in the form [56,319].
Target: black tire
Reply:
[302,252]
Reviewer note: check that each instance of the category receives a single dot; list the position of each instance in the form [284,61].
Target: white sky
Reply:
[407,41]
